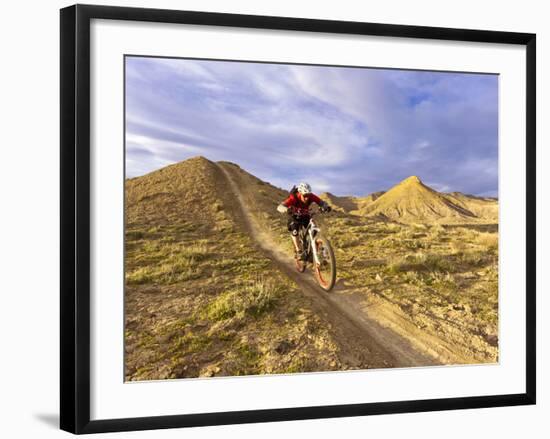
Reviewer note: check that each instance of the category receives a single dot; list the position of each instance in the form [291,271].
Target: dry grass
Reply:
[488,240]
[167,263]
[420,262]
[253,298]
[444,278]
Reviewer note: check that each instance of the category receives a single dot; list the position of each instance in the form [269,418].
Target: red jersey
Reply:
[294,201]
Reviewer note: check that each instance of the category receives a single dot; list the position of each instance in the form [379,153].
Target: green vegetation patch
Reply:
[253,298]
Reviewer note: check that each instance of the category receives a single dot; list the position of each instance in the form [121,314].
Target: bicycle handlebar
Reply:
[303,212]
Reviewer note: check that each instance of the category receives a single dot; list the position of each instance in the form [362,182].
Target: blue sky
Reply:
[350,131]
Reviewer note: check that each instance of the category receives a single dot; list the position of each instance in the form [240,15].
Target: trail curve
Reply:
[364,342]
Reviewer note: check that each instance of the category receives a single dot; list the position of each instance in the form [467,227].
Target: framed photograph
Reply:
[275,218]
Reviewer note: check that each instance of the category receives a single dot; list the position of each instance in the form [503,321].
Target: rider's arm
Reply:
[314,198]
[322,204]
[287,204]
[282,208]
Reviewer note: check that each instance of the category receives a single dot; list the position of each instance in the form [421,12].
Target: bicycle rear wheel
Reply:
[325,270]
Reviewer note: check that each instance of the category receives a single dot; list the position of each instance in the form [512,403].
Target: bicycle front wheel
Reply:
[325,268]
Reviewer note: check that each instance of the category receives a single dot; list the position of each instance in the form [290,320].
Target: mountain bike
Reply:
[318,252]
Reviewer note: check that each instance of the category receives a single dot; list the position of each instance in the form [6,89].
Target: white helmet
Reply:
[304,188]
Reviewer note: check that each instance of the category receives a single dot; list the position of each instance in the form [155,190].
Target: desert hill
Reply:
[482,207]
[200,298]
[350,204]
[364,202]
[342,204]
[188,190]
[196,189]
[413,201]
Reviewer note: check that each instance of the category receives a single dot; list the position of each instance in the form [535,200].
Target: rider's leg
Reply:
[293,228]
[296,243]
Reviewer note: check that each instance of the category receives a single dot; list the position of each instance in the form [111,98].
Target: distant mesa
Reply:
[343,204]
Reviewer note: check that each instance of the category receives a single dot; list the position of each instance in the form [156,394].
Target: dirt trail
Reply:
[364,342]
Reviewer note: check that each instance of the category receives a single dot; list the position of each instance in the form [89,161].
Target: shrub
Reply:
[475,259]
[420,262]
[488,240]
[437,231]
[134,235]
[419,227]
[198,251]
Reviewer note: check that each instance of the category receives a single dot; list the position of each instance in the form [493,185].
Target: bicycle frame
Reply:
[310,232]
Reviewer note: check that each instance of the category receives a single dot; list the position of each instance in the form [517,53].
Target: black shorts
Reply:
[295,222]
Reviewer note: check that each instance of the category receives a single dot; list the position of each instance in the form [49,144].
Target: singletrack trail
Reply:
[364,342]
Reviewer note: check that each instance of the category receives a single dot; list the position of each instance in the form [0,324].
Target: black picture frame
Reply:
[75,217]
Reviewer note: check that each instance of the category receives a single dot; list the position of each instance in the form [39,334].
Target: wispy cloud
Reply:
[346,130]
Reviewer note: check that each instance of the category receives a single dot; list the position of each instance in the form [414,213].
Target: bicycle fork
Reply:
[312,231]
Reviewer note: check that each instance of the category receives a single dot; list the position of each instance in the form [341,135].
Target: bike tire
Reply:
[300,265]
[326,280]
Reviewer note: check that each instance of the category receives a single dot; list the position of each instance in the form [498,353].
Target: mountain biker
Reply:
[297,206]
